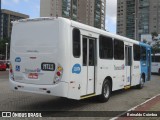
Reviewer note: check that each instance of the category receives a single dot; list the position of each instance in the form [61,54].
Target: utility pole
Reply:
[6,51]
[135,17]
[71,11]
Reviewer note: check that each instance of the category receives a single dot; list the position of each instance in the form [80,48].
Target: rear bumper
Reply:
[60,89]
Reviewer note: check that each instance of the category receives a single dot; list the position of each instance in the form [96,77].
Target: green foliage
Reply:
[156,48]
[154,34]
[145,41]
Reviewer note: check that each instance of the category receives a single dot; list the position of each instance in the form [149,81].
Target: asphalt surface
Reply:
[121,100]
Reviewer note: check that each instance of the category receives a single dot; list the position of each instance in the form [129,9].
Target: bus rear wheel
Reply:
[140,86]
[106,91]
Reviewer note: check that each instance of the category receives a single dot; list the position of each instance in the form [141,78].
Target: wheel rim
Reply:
[106,91]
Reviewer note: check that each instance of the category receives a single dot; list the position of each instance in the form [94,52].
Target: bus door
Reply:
[128,64]
[149,64]
[88,66]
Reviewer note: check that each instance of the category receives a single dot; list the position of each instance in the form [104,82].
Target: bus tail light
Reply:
[11,72]
[59,73]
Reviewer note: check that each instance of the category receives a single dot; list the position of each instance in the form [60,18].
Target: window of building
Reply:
[136,52]
[76,43]
[105,47]
[118,50]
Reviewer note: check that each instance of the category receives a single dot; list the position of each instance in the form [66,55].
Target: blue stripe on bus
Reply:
[145,63]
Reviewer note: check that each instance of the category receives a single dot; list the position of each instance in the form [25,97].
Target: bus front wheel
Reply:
[106,91]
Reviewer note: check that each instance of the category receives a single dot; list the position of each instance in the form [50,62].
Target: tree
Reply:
[144,40]
[156,45]
[156,48]
[154,34]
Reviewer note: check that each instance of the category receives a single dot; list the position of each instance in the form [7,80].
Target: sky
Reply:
[32,8]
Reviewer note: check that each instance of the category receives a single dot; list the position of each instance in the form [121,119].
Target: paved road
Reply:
[119,101]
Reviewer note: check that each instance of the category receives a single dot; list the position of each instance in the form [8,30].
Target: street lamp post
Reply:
[135,26]
[6,51]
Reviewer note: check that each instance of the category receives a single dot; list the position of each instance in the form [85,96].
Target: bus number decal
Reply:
[76,69]
[119,67]
[48,66]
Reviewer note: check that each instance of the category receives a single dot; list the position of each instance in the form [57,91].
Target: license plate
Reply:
[48,66]
[33,76]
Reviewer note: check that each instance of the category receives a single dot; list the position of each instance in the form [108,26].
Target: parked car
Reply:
[3,66]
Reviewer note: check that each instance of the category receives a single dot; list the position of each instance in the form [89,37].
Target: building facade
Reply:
[90,12]
[138,17]
[7,17]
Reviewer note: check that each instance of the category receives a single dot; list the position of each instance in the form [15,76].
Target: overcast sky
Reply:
[32,8]
[111,15]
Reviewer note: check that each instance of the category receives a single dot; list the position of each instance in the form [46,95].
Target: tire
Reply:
[141,85]
[106,92]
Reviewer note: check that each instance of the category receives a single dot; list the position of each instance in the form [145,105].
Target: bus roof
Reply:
[86,27]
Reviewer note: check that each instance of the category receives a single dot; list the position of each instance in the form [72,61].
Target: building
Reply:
[6,17]
[90,12]
[138,17]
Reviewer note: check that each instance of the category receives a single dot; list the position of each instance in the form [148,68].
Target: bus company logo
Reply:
[76,69]
[154,64]
[38,70]
[119,67]
[136,67]
[18,59]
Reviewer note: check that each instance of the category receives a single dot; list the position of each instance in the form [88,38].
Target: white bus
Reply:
[61,57]
[156,63]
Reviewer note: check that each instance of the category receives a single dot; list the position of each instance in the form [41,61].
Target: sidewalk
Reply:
[151,106]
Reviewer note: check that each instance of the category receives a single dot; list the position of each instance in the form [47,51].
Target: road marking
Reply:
[132,109]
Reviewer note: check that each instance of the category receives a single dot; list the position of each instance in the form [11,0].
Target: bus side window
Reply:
[118,50]
[157,58]
[136,52]
[76,43]
[153,58]
[143,53]
[105,47]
